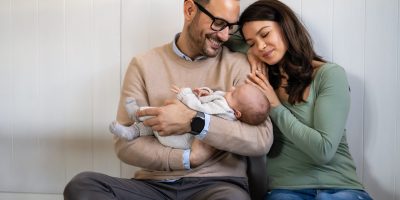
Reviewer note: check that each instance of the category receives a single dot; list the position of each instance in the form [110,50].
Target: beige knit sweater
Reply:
[148,80]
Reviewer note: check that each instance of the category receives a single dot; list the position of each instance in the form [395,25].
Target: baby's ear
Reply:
[237,113]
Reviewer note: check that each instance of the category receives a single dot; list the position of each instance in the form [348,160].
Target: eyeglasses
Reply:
[218,24]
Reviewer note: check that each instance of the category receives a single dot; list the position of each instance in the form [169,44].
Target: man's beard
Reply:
[199,43]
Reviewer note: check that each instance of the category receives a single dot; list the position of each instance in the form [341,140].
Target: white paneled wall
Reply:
[60,66]
[381,65]
[62,61]
[353,13]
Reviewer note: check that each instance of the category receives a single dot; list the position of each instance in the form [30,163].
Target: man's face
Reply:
[206,41]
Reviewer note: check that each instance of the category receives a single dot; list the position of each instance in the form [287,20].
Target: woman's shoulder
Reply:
[328,69]
[329,74]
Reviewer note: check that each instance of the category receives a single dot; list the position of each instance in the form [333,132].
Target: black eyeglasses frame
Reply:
[233,27]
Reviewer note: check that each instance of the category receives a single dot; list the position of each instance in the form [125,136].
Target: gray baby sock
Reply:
[127,132]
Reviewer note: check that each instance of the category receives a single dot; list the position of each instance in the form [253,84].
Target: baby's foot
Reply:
[131,108]
[127,132]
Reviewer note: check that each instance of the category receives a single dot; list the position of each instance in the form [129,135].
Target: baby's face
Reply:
[240,96]
[232,96]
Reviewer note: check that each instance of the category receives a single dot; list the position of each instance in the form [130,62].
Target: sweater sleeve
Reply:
[320,140]
[145,152]
[236,136]
[240,138]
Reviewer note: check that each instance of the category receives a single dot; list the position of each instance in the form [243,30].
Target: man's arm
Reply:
[233,136]
[145,152]
[239,137]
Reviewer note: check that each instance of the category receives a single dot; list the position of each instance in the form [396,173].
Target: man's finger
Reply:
[151,122]
[170,101]
[148,111]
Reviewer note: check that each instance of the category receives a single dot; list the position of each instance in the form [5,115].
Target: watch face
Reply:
[197,124]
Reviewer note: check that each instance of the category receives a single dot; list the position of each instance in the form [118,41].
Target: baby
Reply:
[245,103]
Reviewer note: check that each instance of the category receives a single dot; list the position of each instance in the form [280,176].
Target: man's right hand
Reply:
[200,153]
[171,119]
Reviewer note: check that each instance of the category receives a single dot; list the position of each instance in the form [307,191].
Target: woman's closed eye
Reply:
[251,44]
[264,35]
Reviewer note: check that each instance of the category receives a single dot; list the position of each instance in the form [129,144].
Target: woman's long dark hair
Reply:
[297,62]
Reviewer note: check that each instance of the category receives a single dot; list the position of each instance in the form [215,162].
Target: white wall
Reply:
[61,63]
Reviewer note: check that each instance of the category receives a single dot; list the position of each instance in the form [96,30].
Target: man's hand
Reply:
[200,153]
[171,119]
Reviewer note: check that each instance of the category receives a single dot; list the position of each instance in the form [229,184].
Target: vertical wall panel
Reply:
[349,36]
[6,93]
[105,83]
[245,3]
[164,12]
[318,18]
[50,126]
[79,75]
[134,26]
[397,141]
[295,5]
[380,120]
[25,97]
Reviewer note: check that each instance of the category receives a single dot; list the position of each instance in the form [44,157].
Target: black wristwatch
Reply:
[197,123]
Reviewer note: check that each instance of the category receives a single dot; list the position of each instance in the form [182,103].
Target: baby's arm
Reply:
[202,91]
[199,92]
[175,89]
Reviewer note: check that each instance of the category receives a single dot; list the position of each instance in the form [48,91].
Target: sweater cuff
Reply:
[175,159]
[186,159]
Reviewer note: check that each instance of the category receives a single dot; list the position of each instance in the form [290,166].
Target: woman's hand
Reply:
[200,153]
[260,80]
[256,64]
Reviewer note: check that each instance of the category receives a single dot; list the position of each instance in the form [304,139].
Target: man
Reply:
[195,58]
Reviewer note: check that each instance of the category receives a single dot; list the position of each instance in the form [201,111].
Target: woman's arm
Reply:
[331,109]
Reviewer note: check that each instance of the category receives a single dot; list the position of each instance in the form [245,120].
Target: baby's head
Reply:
[249,103]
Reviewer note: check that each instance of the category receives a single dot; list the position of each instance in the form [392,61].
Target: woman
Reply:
[310,100]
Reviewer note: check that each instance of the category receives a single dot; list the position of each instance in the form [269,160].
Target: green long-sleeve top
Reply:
[310,149]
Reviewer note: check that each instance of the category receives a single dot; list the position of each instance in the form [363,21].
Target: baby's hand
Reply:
[199,92]
[175,89]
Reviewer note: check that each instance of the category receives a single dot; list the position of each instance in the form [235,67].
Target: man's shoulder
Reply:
[236,60]
[156,51]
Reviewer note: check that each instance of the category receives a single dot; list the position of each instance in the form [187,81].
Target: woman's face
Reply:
[266,40]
